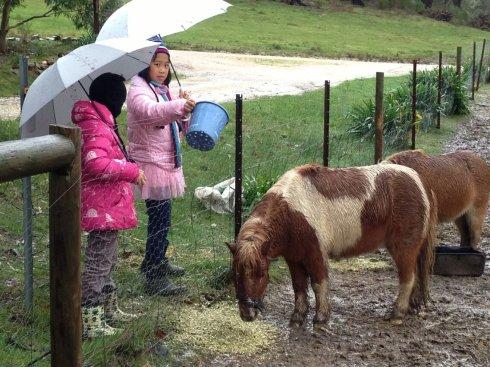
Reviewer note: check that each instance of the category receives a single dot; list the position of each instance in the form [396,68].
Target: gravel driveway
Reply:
[220,76]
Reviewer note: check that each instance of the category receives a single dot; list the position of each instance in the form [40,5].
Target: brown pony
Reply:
[461,184]
[315,213]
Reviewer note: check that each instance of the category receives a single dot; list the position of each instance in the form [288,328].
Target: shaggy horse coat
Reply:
[315,213]
[461,184]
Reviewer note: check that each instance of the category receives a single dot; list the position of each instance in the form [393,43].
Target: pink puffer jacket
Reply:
[150,141]
[107,195]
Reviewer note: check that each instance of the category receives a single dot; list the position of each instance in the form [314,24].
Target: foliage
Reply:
[398,105]
[254,187]
[83,14]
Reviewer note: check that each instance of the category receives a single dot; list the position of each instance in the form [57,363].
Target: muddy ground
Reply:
[455,330]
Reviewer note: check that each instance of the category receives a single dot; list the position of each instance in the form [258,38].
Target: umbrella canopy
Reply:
[146,18]
[52,95]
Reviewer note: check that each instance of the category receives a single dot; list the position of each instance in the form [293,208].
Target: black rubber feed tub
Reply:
[455,260]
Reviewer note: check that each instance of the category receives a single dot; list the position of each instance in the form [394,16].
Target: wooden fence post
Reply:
[481,62]
[64,258]
[326,123]
[414,102]
[378,146]
[459,53]
[473,71]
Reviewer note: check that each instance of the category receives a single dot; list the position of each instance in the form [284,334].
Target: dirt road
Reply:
[220,76]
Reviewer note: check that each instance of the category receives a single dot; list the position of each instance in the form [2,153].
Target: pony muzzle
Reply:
[250,309]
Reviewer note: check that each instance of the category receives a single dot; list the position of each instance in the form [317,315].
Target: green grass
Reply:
[48,26]
[279,133]
[278,29]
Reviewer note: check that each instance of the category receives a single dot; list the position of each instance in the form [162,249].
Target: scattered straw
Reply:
[360,263]
[219,329]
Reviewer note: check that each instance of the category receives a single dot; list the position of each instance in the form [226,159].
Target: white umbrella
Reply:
[52,95]
[146,18]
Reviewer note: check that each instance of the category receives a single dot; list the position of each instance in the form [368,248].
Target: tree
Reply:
[6,7]
[85,14]
[89,15]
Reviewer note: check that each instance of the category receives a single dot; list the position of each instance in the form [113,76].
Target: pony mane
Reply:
[250,241]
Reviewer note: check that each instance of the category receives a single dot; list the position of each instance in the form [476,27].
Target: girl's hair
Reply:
[145,73]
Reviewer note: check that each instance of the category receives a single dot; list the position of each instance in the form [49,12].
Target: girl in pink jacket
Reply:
[154,120]
[107,200]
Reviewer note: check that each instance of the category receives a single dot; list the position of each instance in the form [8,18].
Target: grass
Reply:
[279,133]
[49,26]
[275,28]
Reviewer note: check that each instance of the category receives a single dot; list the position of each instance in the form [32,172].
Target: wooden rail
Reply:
[58,154]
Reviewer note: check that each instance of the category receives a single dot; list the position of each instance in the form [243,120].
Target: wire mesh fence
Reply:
[278,134]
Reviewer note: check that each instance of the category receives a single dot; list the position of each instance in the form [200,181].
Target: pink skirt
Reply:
[161,183]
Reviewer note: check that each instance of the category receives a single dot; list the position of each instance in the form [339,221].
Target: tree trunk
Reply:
[4,25]
[457,3]
[428,3]
[96,26]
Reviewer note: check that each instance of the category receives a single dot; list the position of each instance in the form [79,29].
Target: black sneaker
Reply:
[163,287]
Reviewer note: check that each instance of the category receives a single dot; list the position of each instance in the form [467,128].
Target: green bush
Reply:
[398,105]
[255,187]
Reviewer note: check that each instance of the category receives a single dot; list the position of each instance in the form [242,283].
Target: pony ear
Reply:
[232,247]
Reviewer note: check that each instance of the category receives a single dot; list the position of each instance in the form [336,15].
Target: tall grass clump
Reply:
[398,105]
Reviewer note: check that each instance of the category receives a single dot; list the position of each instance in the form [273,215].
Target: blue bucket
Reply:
[207,121]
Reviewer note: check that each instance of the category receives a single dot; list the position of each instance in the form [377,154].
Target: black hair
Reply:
[109,90]
[145,73]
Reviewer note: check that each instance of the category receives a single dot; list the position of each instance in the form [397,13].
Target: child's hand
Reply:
[189,105]
[184,94]
[141,180]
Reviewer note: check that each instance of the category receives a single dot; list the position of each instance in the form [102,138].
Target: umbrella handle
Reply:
[176,77]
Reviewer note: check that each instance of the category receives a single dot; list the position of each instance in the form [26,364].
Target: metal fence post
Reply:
[439,91]
[238,163]
[27,202]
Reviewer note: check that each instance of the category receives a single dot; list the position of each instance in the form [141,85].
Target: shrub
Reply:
[255,187]
[398,105]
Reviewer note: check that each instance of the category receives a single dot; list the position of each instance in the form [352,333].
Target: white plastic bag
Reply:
[220,198]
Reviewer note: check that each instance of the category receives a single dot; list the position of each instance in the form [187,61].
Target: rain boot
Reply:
[162,286]
[167,268]
[94,325]
[162,269]
[112,312]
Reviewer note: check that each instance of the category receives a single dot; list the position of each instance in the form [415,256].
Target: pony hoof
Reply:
[320,327]
[396,321]
[295,324]
[297,320]
[320,323]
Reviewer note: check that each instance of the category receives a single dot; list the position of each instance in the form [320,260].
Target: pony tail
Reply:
[425,261]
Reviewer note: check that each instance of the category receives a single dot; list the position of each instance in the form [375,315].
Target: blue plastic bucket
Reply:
[207,121]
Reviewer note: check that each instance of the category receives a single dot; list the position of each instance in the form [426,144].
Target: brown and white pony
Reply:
[461,184]
[315,213]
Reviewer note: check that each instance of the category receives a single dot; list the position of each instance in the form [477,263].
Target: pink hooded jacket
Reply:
[150,140]
[107,196]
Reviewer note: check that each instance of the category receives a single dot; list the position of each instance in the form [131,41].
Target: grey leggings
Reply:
[100,261]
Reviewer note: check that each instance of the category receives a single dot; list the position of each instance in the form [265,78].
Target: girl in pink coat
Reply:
[107,200]
[154,121]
